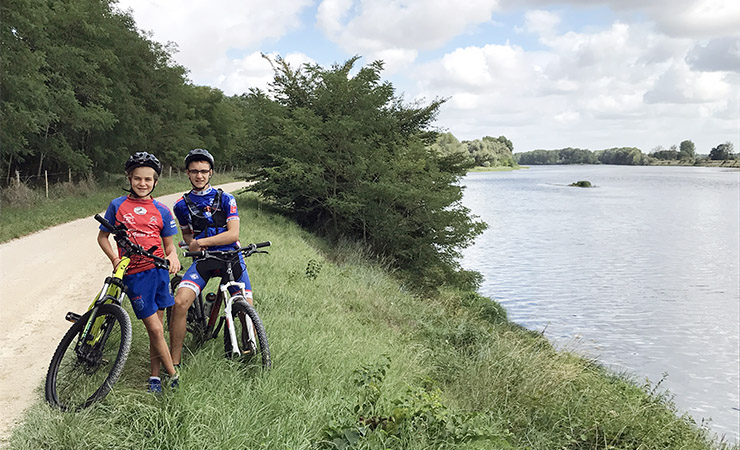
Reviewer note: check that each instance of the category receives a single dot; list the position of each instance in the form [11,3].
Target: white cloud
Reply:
[368,28]
[205,31]
[394,59]
[722,54]
[699,18]
[254,71]
[679,84]
[677,18]
[541,22]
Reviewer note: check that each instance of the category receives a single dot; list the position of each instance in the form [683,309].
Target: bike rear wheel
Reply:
[243,314]
[81,373]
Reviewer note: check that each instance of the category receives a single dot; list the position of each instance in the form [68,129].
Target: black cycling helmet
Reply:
[199,154]
[140,159]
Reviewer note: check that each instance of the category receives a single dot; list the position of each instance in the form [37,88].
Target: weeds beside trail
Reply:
[360,363]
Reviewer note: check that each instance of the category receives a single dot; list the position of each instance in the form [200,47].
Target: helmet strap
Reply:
[208,183]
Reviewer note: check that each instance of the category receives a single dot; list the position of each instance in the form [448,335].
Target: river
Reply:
[640,272]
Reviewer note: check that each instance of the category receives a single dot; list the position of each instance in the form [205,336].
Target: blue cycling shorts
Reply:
[149,291]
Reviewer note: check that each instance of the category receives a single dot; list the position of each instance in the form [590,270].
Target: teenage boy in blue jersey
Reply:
[150,223]
[209,219]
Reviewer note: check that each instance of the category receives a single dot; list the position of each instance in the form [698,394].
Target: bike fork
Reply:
[235,350]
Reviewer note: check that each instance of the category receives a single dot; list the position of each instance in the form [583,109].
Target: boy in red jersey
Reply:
[150,223]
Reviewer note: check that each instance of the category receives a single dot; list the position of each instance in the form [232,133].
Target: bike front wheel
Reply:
[244,314]
[81,373]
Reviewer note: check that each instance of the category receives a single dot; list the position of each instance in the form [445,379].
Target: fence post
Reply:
[170,171]
[70,174]
[46,182]
[17,178]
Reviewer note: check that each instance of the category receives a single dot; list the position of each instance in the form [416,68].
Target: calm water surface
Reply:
[641,272]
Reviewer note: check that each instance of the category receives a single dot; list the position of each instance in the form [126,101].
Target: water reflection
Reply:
[640,271]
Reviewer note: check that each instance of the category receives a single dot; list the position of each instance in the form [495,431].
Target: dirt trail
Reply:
[42,276]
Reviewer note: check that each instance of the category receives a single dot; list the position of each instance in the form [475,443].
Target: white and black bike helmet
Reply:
[140,159]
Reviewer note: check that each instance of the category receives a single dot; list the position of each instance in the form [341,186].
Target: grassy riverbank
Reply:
[360,362]
[24,210]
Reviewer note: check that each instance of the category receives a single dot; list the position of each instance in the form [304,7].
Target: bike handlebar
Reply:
[108,225]
[120,235]
[221,254]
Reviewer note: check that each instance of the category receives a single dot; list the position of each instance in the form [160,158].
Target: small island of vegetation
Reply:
[582,183]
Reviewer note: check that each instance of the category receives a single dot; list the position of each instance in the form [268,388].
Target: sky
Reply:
[546,74]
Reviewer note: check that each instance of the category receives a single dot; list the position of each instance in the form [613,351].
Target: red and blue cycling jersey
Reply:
[203,200]
[147,220]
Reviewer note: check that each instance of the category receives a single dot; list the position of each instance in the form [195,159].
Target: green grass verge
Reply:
[360,363]
[31,211]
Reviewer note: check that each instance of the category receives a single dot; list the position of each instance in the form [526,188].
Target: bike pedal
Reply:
[72,317]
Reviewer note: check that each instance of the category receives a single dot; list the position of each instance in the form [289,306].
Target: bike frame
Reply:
[212,324]
[111,292]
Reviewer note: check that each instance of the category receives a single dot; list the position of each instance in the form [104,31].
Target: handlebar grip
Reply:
[263,244]
[105,223]
[161,262]
[198,254]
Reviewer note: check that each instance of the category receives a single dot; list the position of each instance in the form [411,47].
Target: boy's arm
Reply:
[227,237]
[187,236]
[104,244]
[170,250]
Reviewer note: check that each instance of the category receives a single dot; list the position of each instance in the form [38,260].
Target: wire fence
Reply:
[47,179]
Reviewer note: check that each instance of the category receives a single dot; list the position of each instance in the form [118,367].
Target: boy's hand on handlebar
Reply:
[195,246]
[174,263]
[116,262]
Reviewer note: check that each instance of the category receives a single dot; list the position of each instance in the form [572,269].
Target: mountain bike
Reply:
[90,357]
[244,333]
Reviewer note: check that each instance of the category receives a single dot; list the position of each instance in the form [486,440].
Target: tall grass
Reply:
[360,363]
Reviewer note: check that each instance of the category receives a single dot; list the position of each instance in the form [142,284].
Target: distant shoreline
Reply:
[727,164]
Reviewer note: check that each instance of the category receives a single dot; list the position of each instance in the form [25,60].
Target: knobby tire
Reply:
[242,310]
[73,382]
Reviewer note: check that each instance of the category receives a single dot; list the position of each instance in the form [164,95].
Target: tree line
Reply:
[631,156]
[82,89]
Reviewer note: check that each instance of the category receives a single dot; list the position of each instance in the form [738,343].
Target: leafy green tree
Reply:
[217,123]
[491,152]
[82,89]
[661,153]
[629,156]
[538,157]
[346,158]
[722,151]
[24,97]
[577,156]
[687,150]
[447,144]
